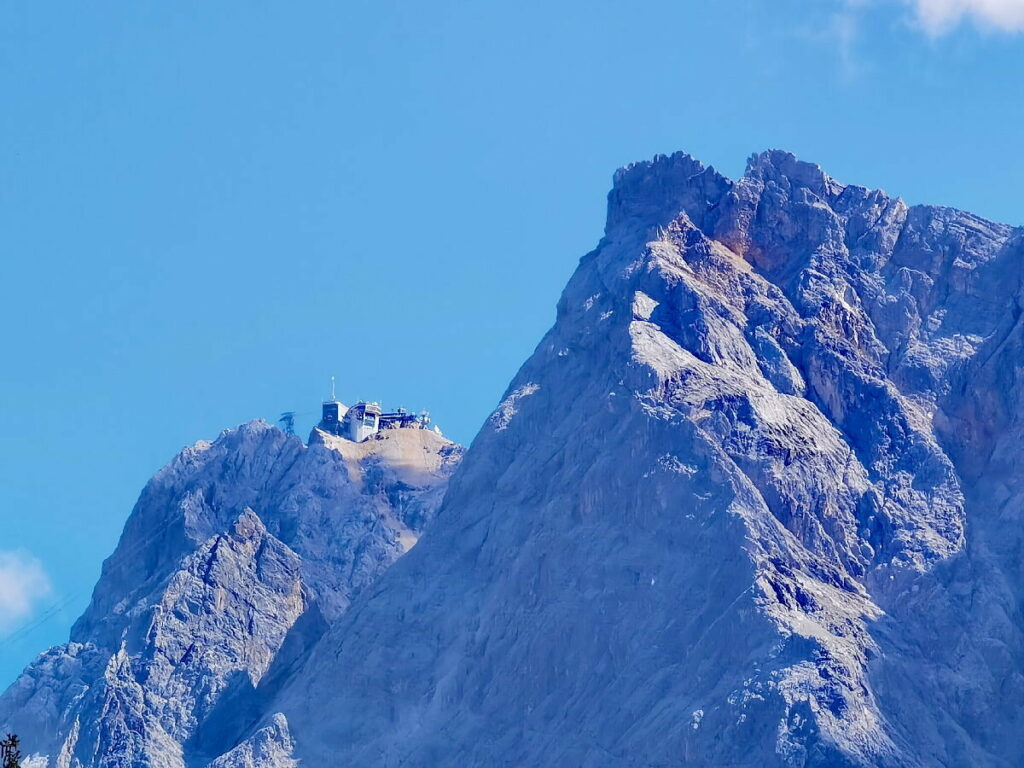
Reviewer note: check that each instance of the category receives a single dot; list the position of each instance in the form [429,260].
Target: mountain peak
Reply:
[704,500]
[236,555]
[647,195]
[753,499]
[651,193]
[249,526]
[785,168]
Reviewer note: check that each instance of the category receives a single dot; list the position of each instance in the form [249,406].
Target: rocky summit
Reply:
[754,500]
[238,556]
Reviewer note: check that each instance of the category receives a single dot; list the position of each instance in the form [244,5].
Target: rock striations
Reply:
[747,504]
[756,499]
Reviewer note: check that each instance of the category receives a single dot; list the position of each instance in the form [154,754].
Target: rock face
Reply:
[237,557]
[755,500]
[270,746]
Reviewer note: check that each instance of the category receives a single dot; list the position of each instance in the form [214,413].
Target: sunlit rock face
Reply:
[754,500]
[237,557]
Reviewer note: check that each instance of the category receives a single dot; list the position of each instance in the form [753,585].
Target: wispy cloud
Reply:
[938,16]
[851,18]
[844,30]
[22,583]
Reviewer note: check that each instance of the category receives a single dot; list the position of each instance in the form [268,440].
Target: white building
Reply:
[364,420]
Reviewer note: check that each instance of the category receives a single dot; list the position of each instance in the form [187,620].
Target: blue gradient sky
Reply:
[205,207]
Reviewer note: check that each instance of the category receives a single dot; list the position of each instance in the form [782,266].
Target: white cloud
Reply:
[938,16]
[22,583]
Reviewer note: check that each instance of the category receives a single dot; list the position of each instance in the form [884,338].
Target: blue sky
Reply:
[205,207]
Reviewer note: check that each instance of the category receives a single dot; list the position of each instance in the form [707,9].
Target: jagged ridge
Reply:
[695,527]
[754,500]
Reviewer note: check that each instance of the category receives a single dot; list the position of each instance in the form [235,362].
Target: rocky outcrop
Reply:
[269,747]
[238,555]
[730,512]
[755,500]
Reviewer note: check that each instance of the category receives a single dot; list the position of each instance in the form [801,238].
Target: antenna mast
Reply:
[287,420]
[333,398]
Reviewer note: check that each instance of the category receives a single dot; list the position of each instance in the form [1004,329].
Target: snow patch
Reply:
[643,306]
[502,417]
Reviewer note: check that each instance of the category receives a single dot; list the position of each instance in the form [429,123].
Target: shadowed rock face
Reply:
[235,560]
[743,506]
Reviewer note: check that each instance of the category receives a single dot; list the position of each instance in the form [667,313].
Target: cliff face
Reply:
[754,500]
[235,560]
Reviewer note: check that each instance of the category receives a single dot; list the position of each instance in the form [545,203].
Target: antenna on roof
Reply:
[333,398]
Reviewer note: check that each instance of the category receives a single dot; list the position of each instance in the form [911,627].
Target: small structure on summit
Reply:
[366,419]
